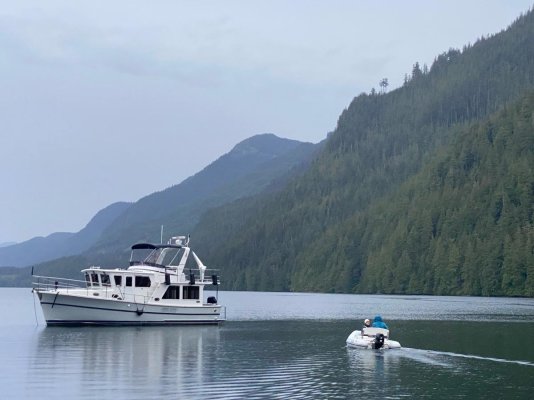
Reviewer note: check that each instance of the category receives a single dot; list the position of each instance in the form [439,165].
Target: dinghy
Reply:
[372,338]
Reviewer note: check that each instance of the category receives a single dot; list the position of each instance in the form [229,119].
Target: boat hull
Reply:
[356,340]
[66,309]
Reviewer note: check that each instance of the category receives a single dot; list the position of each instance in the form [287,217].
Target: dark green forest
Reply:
[463,225]
[426,189]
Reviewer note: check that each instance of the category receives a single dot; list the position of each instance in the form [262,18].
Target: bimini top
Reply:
[155,246]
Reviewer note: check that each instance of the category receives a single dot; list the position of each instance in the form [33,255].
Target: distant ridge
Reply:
[60,244]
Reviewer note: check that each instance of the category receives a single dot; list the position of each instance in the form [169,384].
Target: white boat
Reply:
[154,289]
[372,338]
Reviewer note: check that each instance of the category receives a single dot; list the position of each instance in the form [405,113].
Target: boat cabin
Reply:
[156,273]
[96,278]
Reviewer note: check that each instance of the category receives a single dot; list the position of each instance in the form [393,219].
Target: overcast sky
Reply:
[105,101]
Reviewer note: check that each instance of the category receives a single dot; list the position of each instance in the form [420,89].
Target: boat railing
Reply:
[208,276]
[49,283]
[45,283]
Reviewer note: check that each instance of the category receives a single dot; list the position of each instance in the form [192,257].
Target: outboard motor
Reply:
[379,341]
[212,300]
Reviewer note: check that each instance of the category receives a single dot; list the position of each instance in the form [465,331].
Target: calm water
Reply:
[277,345]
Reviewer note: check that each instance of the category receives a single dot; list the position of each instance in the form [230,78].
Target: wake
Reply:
[426,356]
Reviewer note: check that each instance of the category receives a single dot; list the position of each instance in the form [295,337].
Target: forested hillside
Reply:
[325,232]
[464,225]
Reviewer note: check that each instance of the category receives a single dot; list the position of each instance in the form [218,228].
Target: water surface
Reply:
[278,345]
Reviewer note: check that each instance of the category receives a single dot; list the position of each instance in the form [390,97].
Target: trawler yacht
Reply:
[157,288]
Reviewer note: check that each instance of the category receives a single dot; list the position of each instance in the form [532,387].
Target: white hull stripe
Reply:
[125,323]
[129,311]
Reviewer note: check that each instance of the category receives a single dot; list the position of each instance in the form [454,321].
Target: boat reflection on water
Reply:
[174,357]
[373,366]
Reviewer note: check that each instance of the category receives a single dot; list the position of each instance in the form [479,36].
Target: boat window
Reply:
[191,292]
[142,281]
[173,292]
[87,279]
[145,256]
[128,281]
[94,279]
[171,256]
[104,278]
[118,280]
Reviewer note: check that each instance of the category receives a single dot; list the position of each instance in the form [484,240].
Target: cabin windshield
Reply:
[156,257]
[171,256]
[95,279]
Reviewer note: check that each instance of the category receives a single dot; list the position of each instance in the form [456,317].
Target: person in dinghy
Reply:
[379,323]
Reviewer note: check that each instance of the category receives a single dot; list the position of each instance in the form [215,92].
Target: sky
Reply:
[105,101]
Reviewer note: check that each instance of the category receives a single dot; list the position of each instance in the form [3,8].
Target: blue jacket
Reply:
[378,323]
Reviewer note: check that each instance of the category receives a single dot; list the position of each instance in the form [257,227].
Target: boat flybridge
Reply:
[157,288]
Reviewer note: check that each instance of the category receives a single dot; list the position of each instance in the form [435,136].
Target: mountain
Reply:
[5,244]
[323,232]
[249,168]
[60,244]
[262,163]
